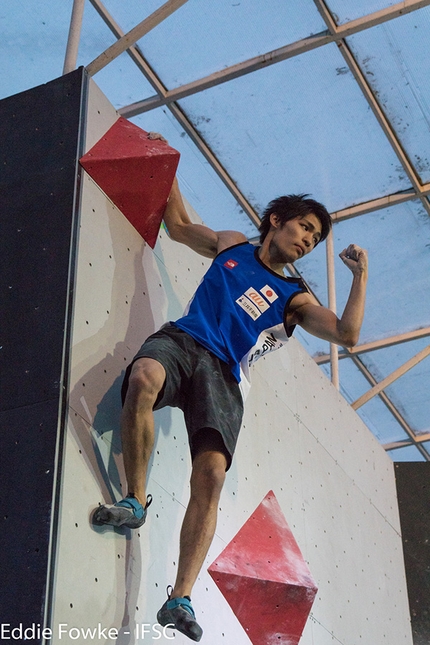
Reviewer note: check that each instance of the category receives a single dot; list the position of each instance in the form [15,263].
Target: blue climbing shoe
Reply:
[128,512]
[177,613]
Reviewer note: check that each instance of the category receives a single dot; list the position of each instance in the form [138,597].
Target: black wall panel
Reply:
[413,490]
[39,146]
[39,132]
[27,470]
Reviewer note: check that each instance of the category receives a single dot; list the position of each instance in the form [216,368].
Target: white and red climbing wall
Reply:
[307,475]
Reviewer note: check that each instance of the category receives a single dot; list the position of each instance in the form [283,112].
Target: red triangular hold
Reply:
[135,172]
[264,578]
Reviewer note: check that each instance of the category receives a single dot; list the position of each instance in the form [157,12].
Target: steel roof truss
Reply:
[392,408]
[373,103]
[337,33]
[377,204]
[388,380]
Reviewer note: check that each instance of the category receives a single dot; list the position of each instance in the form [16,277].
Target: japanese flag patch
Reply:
[269,293]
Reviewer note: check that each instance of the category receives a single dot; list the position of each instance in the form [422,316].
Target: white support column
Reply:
[331,285]
[74,36]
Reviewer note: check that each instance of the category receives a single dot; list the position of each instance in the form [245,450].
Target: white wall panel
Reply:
[300,438]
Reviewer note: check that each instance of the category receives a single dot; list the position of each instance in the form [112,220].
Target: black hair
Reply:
[291,206]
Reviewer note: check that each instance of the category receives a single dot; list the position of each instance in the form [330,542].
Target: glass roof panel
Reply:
[199,183]
[222,34]
[382,362]
[32,44]
[133,85]
[290,128]
[346,10]
[129,14]
[395,58]
[381,422]
[121,80]
[95,36]
[426,445]
[407,395]
[406,392]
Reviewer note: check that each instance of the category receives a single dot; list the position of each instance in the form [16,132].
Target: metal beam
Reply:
[377,204]
[376,389]
[130,38]
[331,287]
[376,344]
[371,19]
[395,445]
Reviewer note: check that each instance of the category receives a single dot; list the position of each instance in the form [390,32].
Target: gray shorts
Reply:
[201,385]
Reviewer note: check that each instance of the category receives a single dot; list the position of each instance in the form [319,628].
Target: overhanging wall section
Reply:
[300,438]
[40,139]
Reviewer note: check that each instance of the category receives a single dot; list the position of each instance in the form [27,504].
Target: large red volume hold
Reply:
[264,578]
[135,172]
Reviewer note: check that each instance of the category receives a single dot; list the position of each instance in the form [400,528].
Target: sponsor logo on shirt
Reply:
[268,343]
[254,304]
[230,264]
[269,293]
[258,300]
[249,307]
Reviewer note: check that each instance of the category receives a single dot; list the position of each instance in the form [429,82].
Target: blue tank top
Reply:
[239,309]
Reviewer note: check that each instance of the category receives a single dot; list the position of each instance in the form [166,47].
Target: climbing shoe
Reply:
[177,613]
[128,512]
